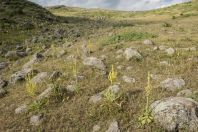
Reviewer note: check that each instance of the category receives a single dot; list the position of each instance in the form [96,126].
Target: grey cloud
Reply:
[112,4]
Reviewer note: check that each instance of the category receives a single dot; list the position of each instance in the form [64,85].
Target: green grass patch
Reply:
[127,36]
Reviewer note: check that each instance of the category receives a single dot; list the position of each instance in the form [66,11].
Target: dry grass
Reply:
[73,112]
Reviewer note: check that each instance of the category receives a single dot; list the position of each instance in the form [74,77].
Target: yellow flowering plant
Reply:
[112,75]
[146,117]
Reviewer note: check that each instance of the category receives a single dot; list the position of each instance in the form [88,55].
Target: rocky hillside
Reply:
[74,69]
[22,13]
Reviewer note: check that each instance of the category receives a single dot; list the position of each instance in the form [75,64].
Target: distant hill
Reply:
[22,13]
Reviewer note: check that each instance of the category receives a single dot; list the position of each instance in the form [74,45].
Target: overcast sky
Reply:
[112,4]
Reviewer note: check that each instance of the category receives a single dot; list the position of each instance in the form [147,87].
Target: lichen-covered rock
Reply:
[21,109]
[148,42]
[185,93]
[36,58]
[113,127]
[128,79]
[21,54]
[46,93]
[20,75]
[11,55]
[172,84]
[15,54]
[2,92]
[170,51]
[3,83]
[3,65]
[71,88]
[36,120]
[40,77]
[164,63]
[130,53]
[96,128]
[55,75]
[95,62]
[176,113]
[95,98]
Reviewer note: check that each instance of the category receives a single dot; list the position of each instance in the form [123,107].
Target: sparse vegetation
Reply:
[146,118]
[127,36]
[31,87]
[58,34]
[110,95]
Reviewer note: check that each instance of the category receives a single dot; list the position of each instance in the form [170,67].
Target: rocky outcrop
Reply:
[172,84]
[130,53]
[21,75]
[94,62]
[176,113]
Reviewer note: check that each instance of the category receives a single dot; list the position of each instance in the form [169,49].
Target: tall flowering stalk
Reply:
[146,117]
[112,75]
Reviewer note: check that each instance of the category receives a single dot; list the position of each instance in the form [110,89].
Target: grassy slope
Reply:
[72,112]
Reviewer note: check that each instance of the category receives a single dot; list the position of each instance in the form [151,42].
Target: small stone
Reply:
[70,58]
[162,47]
[71,88]
[36,58]
[185,93]
[172,84]
[21,54]
[95,98]
[79,78]
[28,50]
[36,120]
[164,63]
[120,51]
[130,53]
[113,127]
[155,48]
[114,88]
[148,42]
[128,79]
[21,109]
[118,57]
[3,65]
[120,67]
[19,48]
[103,57]
[96,128]
[170,51]
[3,83]
[129,68]
[39,78]
[11,55]
[154,77]
[3,92]
[55,75]
[46,93]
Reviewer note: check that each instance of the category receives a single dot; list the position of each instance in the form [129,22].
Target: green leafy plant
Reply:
[110,95]
[127,36]
[37,105]
[146,118]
